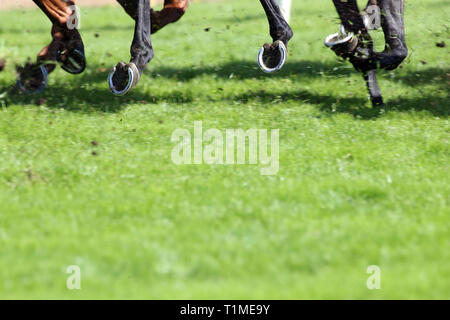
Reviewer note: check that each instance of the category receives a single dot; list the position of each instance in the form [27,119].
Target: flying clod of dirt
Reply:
[2,64]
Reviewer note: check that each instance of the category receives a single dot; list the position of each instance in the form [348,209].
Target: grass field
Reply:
[357,186]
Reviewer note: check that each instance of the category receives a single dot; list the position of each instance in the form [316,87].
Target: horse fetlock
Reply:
[391,59]
[284,34]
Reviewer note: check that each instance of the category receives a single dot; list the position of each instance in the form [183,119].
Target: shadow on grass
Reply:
[429,76]
[245,18]
[358,107]
[250,70]
[94,99]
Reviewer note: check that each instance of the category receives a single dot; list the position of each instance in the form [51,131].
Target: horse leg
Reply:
[392,22]
[355,43]
[66,47]
[123,77]
[173,10]
[353,34]
[272,57]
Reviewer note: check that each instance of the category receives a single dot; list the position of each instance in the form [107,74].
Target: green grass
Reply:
[357,186]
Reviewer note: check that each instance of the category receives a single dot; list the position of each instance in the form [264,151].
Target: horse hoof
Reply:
[32,79]
[122,78]
[73,62]
[342,43]
[377,101]
[272,57]
[340,38]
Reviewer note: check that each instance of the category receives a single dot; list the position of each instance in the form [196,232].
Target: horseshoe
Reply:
[283,55]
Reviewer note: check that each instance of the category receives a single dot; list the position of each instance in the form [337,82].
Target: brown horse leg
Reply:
[66,46]
[173,10]
[61,41]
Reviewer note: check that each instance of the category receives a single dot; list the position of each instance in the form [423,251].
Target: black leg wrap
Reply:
[272,57]
[124,77]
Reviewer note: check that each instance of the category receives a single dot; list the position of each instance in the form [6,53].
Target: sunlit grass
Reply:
[357,186]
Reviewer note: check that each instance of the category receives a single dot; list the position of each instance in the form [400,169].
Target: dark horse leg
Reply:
[66,48]
[392,22]
[354,42]
[360,50]
[123,77]
[173,10]
[390,18]
[272,57]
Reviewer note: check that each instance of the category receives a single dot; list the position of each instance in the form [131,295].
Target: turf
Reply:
[87,179]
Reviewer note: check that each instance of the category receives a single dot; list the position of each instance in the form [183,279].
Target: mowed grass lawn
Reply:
[87,179]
